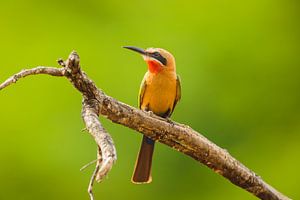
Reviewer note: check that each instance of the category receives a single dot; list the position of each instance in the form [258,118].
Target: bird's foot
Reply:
[169,120]
[150,112]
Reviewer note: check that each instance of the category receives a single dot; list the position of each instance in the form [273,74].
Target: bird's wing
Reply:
[178,91]
[142,91]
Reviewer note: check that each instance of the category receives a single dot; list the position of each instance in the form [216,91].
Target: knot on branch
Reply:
[91,104]
[72,63]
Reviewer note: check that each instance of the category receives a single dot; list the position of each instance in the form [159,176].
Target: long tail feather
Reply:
[142,170]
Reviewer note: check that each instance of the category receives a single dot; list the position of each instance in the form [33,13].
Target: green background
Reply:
[239,65]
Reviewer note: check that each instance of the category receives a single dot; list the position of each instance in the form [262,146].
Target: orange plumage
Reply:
[160,90]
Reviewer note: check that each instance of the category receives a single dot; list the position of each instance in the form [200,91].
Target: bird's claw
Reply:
[170,121]
[167,119]
[150,113]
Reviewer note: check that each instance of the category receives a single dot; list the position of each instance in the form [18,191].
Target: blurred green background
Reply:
[240,68]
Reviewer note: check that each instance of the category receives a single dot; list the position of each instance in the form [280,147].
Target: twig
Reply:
[94,175]
[175,135]
[88,164]
[92,180]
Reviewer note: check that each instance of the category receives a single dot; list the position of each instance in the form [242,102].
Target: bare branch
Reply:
[102,138]
[26,72]
[177,136]
[188,141]
[106,154]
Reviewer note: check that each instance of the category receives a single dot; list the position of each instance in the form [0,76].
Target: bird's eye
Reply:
[159,57]
[156,53]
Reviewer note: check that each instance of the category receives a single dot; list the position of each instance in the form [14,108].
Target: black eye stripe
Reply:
[156,53]
[159,57]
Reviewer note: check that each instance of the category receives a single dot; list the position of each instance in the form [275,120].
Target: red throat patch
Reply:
[154,67]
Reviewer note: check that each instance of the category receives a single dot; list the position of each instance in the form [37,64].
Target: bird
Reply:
[160,91]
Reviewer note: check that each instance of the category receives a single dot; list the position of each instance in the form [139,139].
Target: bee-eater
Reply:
[160,90]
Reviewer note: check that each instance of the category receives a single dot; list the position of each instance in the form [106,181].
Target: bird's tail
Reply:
[142,169]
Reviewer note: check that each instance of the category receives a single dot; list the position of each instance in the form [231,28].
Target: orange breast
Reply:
[160,92]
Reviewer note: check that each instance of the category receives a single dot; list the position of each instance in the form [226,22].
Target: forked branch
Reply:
[177,136]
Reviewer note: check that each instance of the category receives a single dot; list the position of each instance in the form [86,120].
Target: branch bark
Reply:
[178,136]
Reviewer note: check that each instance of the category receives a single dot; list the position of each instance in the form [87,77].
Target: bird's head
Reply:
[158,59]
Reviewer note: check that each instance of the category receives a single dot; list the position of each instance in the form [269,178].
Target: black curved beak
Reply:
[155,55]
[136,49]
